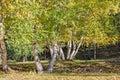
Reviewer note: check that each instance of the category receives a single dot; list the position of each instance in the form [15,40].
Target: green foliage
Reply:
[58,21]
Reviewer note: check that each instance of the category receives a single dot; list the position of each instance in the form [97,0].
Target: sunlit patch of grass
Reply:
[98,60]
[45,76]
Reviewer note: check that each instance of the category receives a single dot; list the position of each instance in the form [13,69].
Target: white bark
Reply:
[80,43]
[36,59]
[58,57]
[69,46]
[58,53]
[62,53]
[3,48]
[0,57]
[0,53]
[1,28]
[51,65]
[73,52]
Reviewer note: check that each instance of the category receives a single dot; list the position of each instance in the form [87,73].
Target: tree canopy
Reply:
[58,21]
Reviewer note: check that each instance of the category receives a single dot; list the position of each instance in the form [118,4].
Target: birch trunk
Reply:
[3,48]
[69,46]
[24,58]
[73,52]
[52,62]
[39,67]
[0,57]
[4,56]
[62,54]
[78,47]
[58,57]
[0,54]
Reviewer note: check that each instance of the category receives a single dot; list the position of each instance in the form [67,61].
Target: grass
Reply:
[97,60]
[65,70]
[76,66]
[34,76]
[89,60]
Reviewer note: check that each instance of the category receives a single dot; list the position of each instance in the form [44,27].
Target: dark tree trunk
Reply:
[39,67]
[95,51]
[52,62]
[89,48]
[45,55]
[51,51]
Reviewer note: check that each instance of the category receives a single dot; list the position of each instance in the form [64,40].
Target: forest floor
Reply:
[66,70]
